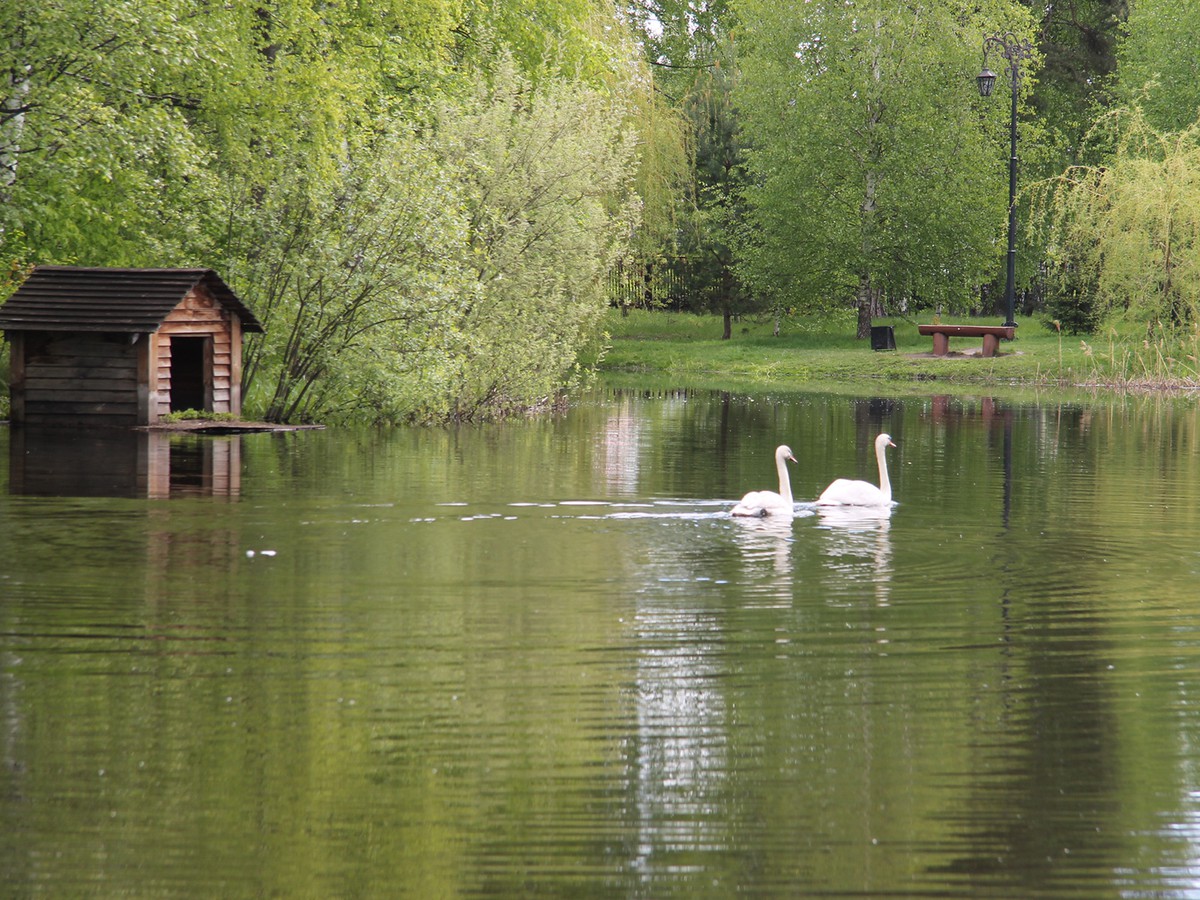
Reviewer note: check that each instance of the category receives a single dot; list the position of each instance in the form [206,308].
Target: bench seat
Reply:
[991,334]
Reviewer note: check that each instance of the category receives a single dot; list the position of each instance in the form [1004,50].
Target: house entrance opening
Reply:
[189,356]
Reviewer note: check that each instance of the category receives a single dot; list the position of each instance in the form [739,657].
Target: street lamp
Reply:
[1014,51]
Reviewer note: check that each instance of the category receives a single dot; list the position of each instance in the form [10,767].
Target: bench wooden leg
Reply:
[941,344]
[991,344]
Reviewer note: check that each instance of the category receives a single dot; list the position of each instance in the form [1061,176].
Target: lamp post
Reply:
[1013,50]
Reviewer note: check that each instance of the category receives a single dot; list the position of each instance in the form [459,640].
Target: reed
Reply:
[1162,359]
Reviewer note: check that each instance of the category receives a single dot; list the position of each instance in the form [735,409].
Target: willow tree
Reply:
[453,272]
[876,168]
[545,38]
[1126,234]
[662,180]
[360,283]
[547,189]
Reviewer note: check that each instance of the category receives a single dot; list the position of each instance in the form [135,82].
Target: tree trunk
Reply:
[727,300]
[11,132]
[867,301]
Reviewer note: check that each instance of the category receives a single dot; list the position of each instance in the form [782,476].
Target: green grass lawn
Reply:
[807,349]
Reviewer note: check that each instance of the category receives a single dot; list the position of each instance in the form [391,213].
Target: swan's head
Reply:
[884,440]
[783,451]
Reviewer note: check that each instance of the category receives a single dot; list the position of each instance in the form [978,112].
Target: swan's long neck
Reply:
[785,483]
[885,484]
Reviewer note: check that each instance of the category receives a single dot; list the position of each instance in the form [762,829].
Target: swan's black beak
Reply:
[793,459]
[891,443]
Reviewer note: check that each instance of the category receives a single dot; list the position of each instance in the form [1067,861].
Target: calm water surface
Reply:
[540,659]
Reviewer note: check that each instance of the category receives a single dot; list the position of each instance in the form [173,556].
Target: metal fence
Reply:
[648,284]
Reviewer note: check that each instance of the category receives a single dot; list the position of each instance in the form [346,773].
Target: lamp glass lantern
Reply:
[986,81]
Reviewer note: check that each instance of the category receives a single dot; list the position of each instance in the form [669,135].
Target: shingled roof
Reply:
[71,298]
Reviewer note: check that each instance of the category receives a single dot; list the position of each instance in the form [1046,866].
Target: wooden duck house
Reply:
[91,346]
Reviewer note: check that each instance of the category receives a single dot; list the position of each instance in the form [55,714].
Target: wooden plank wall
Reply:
[198,315]
[87,379]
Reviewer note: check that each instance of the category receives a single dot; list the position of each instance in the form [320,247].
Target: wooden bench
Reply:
[991,335]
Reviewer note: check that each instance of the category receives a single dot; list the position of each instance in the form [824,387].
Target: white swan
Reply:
[845,492]
[769,503]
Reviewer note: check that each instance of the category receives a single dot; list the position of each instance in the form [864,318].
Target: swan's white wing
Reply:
[845,492]
[761,503]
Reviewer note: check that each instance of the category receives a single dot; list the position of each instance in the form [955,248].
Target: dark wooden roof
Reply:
[71,298]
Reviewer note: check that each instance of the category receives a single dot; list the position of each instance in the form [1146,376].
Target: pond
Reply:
[541,659]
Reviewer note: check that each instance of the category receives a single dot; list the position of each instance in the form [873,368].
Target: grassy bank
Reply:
[683,345]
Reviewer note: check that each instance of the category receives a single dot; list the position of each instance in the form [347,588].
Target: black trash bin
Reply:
[883,337]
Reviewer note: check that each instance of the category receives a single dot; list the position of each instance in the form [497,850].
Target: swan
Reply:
[845,492]
[769,503]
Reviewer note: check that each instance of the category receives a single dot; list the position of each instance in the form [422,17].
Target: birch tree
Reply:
[876,169]
[93,137]
[1157,65]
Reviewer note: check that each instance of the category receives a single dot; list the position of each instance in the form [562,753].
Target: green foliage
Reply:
[545,38]
[692,49]
[683,36]
[454,273]
[1072,294]
[198,415]
[1078,42]
[1153,360]
[422,219]
[122,121]
[547,176]
[876,164]
[423,198]
[15,261]
[1128,232]
[358,283]
[1078,45]
[1158,68]
[94,146]
[708,233]
[664,167]
[692,46]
